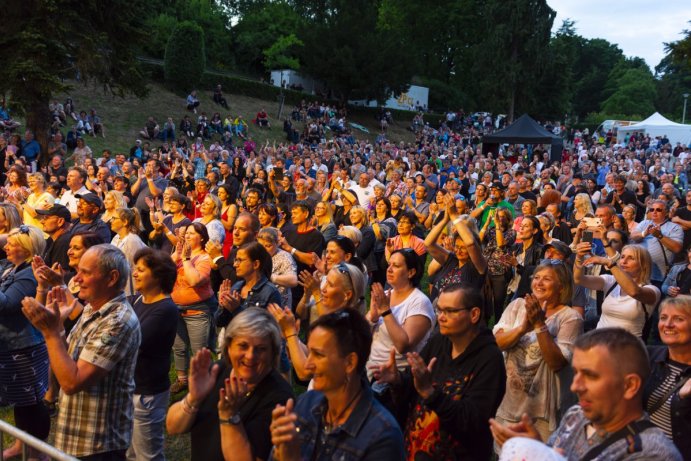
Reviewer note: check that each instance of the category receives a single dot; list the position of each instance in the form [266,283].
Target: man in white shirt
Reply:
[363,189]
[76,178]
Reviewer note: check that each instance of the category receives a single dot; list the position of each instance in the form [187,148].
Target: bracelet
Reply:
[290,336]
[292,252]
[188,408]
[385,313]
[542,329]
[456,221]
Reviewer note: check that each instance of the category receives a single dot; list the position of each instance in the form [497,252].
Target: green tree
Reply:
[43,42]
[594,62]
[509,62]
[260,29]
[672,81]
[185,57]
[680,51]
[634,93]
[351,51]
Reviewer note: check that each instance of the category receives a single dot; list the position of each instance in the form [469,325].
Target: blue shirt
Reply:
[370,433]
[31,149]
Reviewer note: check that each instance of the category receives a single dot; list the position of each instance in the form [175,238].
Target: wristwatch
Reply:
[233,420]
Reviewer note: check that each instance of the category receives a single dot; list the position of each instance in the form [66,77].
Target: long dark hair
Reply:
[256,252]
[347,245]
[412,261]
[538,238]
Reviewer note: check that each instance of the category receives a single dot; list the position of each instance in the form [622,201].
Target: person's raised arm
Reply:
[472,245]
[593,282]
[438,253]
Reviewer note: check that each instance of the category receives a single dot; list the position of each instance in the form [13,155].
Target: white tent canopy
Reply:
[657,125]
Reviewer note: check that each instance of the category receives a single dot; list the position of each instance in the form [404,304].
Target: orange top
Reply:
[185,294]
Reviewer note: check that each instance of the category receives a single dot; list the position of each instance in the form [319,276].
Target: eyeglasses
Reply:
[343,269]
[658,210]
[552,262]
[450,312]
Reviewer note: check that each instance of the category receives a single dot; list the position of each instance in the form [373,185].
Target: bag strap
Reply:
[664,251]
[669,392]
[630,431]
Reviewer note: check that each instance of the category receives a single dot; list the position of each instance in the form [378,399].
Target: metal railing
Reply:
[30,441]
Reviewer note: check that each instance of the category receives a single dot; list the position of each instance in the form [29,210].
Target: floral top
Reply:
[498,258]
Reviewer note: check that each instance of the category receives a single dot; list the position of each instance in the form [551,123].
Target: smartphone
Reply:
[593,222]
[587,237]
[278,173]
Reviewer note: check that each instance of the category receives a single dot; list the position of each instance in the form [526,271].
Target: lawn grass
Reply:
[125,117]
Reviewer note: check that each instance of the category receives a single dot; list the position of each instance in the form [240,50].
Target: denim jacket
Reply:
[16,332]
[261,294]
[680,410]
[370,433]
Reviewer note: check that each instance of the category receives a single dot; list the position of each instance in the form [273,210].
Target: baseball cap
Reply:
[561,247]
[58,210]
[91,198]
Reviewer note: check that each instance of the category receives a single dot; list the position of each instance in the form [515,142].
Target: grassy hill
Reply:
[124,117]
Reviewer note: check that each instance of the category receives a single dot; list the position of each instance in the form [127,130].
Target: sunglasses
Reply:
[343,269]
[658,210]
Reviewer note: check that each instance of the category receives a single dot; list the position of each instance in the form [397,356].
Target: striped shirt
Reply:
[99,419]
[662,417]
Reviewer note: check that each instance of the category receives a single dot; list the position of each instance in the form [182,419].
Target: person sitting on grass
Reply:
[262,119]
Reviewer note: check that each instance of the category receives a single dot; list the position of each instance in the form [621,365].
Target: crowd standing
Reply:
[437,301]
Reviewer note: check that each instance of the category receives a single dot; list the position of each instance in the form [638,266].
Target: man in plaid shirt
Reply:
[95,368]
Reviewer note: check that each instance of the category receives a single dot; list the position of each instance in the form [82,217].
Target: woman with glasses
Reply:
[228,408]
[536,334]
[23,353]
[405,238]
[630,298]
[253,268]
[39,198]
[344,288]
[402,317]
[339,418]
[465,264]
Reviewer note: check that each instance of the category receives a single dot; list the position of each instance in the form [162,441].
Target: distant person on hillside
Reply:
[151,129]
[192,101]
[96,123]
[186,127]
[219,98]
[263,119]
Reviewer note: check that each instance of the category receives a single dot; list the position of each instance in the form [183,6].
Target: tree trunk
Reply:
[38,121]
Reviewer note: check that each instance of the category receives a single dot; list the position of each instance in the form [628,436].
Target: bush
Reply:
[185,57]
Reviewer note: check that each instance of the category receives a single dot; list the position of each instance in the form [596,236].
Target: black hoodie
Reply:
[453,424]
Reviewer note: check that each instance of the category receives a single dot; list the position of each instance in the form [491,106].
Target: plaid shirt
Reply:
[99,419]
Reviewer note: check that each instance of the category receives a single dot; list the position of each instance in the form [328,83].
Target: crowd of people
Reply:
[437,301]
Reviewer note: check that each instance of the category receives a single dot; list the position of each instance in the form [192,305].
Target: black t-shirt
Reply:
[450,273]
[311,241]
[158,322]
[685,214]
[626,198]
[56,251]
[528,195]
[255,414]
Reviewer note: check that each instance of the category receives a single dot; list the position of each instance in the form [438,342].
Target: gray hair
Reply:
[352,232]
[111,258]
[269,233]
[257,323]
[218,206]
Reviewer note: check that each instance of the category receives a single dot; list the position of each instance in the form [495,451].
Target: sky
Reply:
[639,27]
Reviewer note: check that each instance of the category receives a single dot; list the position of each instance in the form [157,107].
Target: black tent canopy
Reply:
[524,130]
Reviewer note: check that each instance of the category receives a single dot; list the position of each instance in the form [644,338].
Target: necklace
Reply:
[331,426]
